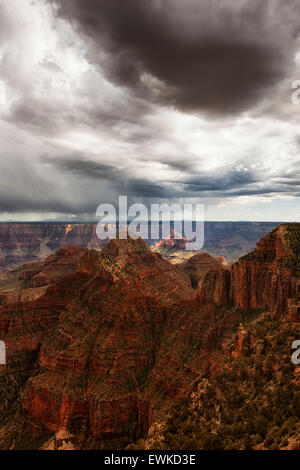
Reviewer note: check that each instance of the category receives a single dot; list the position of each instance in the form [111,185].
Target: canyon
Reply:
[27,242]
[107,349]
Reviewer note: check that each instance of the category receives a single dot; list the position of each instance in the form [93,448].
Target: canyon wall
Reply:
[266,279]
[118,337]
[26,242]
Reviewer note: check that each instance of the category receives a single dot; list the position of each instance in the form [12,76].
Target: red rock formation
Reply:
[20,243]
[119,336]
[97,343]
[200,264]
[263,280]
[64,262]
[215,287]
[27,295]
[173,242]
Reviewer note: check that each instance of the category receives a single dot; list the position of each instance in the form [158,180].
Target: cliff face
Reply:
[173,243]
[215,288]
[20,243]
[200,264]
[246,395]
[265,279]
[91,338]
[115,339]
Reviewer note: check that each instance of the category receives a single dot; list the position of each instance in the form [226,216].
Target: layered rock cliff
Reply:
[91,339]
[119,339]
[249,395]
[26,242]
[20,243]
[266,279]
[200,264]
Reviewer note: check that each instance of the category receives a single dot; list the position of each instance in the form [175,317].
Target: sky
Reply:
[159,100]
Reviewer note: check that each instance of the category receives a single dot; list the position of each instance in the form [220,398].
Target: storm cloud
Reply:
[153,99]
[221,56]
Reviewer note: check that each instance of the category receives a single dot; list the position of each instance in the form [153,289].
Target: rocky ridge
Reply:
[120,340]
[26,242]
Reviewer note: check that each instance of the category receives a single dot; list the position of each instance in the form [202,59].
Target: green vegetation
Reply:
[253,402]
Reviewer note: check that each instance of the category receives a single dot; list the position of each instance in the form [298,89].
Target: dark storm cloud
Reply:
[84,167]
[146,189]
[240,183]
[228,183]
[79,184]
[88,86]
[289,182]
[13,203]
[41,116]
[225,182]
[215,55]
[121,179]
[34,115]
[183,165]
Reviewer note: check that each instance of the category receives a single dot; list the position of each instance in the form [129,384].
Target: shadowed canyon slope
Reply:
[117,342]
[200,264]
